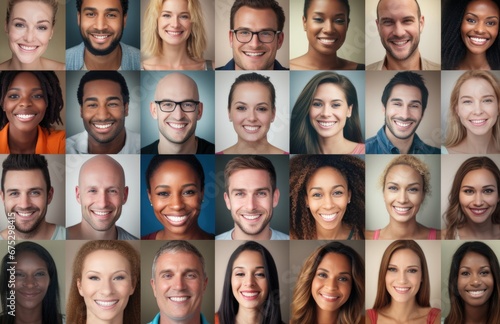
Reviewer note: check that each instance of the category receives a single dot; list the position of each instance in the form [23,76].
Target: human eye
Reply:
[484,273]
[318,19]
[260,274]
[262,194]
[163,194]
[166,275]
[188,104]
[489,191]
[38,96]
[387,22]
[92,190]
[19,25]
[191,275]
[20,275]
[239,274]
[40,274]
[244,33]
[392,188]
[468,191]
[111,15]
[13,96]
[339,21]
[241,108]
[266,33]
[113,104]
[90,14]
[91,105]
[412,270]
[491,23]
[465,273]
[35,193]
[316,195]
[185,17]
[167,104]
[470,20]
[413,190]
[415,105]
[119,277]
[317,104]
[322,275]
[189,192]
[408,21]
[338,193]
[14,194]
[392,269]
[93,278]
[42,28]
[344,279]
[166,15]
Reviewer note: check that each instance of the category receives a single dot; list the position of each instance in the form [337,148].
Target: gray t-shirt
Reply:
[275,235]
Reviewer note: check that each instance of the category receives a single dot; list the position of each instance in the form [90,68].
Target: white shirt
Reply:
[79,143]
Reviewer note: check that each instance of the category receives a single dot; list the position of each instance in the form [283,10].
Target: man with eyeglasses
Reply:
[256,34]
[177,107]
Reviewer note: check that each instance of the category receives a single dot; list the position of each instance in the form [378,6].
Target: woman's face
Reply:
[32,281]
[176,196]
[105,285]
[475,280]
[404,275]
[332,282]
[403,192]
[479,27]
[251,111]
[327,195]
[326,25]
[24,103]
[478,195]
[29,30]
[477,106]
[174,23]
[248,280]
[329,110]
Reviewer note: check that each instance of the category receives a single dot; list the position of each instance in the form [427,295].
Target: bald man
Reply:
[177,108]
[101,192]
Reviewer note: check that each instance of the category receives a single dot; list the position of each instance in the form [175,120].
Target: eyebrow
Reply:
[244,189]
[486,186]
[19,89]
[105,10]
[29,189]
[180,13]
[38,22]
[114,272]
[410,266]
[485,96]
[334,187]
[244,103]
[410,184]
[241,267]
[97,99]
[187,270]
[183,186]
[489,17]
[343,272]
[319,99]
[399,99]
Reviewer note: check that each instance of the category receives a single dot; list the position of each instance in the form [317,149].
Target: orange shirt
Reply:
[53,143]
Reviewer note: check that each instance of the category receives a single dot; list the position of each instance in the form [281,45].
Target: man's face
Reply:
[251,200]
[255,55]
[176,126]
[404,111]
[26,196]
[103,111]
[178,286]
[101,193]
[399,27]
[101,25]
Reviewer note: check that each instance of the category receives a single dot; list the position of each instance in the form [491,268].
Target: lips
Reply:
[401,210]
[478,211]
[328,217]
[174,33]
[176,220]
[100,38]
[326,124]
[179,299]
[251,217]
[249,295]
[479,41]
[25,214]
[399,42]
[329,297]
[476,293]
[101,214]
[177,125]
[106,303]
[478,122]
[251,129]
[27,48]
[402,290]
[28,294]
[25,117]
[254,54]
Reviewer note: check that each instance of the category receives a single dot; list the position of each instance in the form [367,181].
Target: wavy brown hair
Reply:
[303,304]
[302,167]
[76,310]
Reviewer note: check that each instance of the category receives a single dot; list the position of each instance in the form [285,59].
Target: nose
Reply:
[176,202]
[398,29]
[25,101]
[29,35]
[250,204]
[24,201]
[178,282]
[475,280]
[100,22]
[327,26]
[328,202]
[255,40]
[478,199]
[479,29]
[177,113]
[252,115]
[402,196]
[174,22]
[402,276]
[30,281]
[249,281]
[326,111]
[478,108]
[102,112]
[101,199]
[106,287]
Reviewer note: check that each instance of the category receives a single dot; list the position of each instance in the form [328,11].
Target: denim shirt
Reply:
[231,66]
[156,320]
[131,57]
[380,144]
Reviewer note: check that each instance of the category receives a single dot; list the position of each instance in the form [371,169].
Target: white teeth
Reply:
[178,299]
[101,36]
[401,124]
[102,126]
[328,217]
[25,116]
[28,48]
[105,303]
[326,41]
[400,43]
[248,294]
[251,128]
[254,54]
[478,121]
[330,297]
[177,126]
[24,214]
[326,124]
[176,219]
[479,211]
[174,33]
[476,293]
[400,209]
[402,289]
[478,40]
[99,213]
[250,217]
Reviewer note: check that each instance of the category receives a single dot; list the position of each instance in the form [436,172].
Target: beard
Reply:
[100,52]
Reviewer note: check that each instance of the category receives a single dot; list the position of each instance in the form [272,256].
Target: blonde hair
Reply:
[414,163]
[152,43]
[53,4]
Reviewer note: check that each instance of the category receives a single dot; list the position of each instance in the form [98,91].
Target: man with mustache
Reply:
[26,194]
[400,23]
[177,108]
[103,97]
[101,25]
[250,195]
[405,99]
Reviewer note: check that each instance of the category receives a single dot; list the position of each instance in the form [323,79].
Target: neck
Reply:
[15,64]
[261,146]
[326,316]
[403,312]
[480,144]
[238,234]
[403,145]
[337,233]
[22,142]
[248,316]
[333,145]
[476,315]
[323,62]
[188,147]
[411,63]
[396,230]
[28,316]
[474,62]
[92,319]
[39,233]
[112,61]
[174,56]
[191,234]
[89,233]
[485,230]
[113,147]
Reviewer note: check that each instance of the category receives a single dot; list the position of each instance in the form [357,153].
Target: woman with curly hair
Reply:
[250,264]
[472,123]
[30,102]
[327,197]
[403,289]
[174,36]
[469,35]
[325,117]
[473,203]
[102,268]
[473,285]
[405,183]
[333,267]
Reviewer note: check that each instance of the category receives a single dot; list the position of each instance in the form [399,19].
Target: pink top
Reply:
[431,316]
[432,234]
[359,149]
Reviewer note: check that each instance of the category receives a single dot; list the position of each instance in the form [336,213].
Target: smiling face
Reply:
[32,282]
[101,25]
[403,112]
[404,275]
[475,280]
[178,286]
[479,195]
[332,283]
[174,23]
[24,103]
[29,30]
[327,197]
[255,55]
[176,196]
[399,27]
[326,26]
[26,196]
[477,106]
[105,285]
[329,110]
[403,192]
[248,280]
[479,27]
[251,111]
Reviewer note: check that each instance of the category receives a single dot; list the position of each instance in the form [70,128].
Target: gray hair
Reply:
[178,246]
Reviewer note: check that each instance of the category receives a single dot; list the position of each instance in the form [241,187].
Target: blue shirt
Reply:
[231,66]
[131,57]
[156,320]
[380,144]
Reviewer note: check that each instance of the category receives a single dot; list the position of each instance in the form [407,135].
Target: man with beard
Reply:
[103,97]
[26,193]
[400,23]
[101,192]
[101,24]
[250,195]
[404,99]
[177,107]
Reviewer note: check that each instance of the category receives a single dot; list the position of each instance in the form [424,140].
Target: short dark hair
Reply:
[307,4]
[407,78]
[253,78]
[191,160]
[259,4]
[245,162]
[103,75]
[124,4]
[24,162]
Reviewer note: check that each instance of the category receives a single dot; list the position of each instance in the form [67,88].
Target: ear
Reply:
[349,111]
[125,194]
[304,20]
[422,23]
[78,18]
[200,111]
[227,200]
[205,283]
[125,21]
[126,109]
[281,38]
[50,195]
[81,112]
[276,197]
[79,286]
[152,110]
[2,196]
[77,191]
[152,282]
[149,197]
[349,195]
[231,39]
[378,25]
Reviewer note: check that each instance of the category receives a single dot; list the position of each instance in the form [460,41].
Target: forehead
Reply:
[476,86]
[405,256]
[178,260]
[250,90]
[403,173]
[255,19]
[249,258]
[397,8]
[330,7]
[250,178]
[30,259]
[482,6]
[108,260]
[482,176]
[97,88]
[25,78]
[102,4]
[474,259]
[101,173]
[400,91]
[335,261]
[174,172]
[32,9]
[176,87]
[328,176]
[24,179]
[330,90]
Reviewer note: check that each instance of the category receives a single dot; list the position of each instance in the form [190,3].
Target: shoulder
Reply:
[59,233]
[277,235]
[375,66]
[52,65]
[124,235]
[359,148]
[434,316]
[369,235]
[150,236]
[4,65]
[225,235]
[298,63]
[131,58]
[56,141]
[278,66]
[429,65]
[204,146]
[151,148]
[74,57]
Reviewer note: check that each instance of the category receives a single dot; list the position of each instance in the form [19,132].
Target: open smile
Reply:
[400,42]
[176,220]
[251,217]
[478,122]
[476,293]
[329,297]
[328,217]
[479,41]
[25,117]
[174,33]
[106,304]
[179,299]
[249,295]
[478,211]
[177,125]
[27,48]
[251,129]
[253,54]
[326,124]
[402,290]
[403,211]
[327,41]
[403,125]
